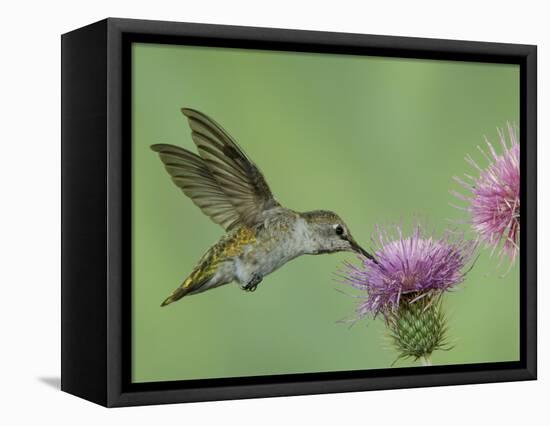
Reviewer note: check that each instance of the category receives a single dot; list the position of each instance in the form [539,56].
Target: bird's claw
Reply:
[253,284]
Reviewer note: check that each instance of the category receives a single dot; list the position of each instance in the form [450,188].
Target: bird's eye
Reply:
[338,229]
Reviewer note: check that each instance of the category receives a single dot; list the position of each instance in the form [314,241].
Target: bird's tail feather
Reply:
[179,292]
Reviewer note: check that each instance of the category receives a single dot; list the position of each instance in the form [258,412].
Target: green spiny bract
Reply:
[417,327]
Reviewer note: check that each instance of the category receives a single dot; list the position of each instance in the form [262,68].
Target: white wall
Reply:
[30,194]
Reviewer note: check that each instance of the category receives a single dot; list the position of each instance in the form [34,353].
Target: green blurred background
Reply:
[375,139]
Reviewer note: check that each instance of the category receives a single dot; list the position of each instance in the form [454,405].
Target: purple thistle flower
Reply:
[494,204]
[408,268]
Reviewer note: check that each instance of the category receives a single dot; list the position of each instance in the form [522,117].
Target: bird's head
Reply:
[329,234]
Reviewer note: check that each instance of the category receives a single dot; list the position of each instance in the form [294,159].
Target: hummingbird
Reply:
[261,235]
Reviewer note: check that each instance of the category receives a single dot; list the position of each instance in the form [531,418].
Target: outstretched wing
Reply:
[238,177]
[223,182]
[190,173]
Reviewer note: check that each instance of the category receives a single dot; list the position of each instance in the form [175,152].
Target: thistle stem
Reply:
[426,360]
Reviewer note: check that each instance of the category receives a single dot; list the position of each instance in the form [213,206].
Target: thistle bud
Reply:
[417,328]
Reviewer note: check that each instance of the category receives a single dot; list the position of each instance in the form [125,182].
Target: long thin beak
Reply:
[358,249]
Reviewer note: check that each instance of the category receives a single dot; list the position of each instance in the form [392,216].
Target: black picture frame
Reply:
[96,215]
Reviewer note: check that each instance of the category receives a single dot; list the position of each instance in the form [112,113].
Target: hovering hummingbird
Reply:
[261,235]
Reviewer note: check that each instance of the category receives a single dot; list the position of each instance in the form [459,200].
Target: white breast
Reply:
[263,261]
[301,236]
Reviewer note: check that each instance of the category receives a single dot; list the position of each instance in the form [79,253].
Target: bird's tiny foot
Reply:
[253,283]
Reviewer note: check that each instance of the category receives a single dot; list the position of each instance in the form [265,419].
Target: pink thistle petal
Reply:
[407,265]
[493,202]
